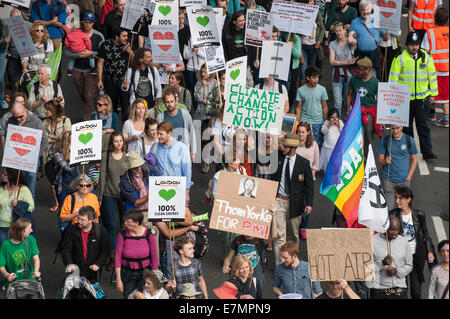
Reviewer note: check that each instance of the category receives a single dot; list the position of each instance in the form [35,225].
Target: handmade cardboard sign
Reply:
[294,17]
[242,205]
[258,27]
[86,142]
[387,14]
[22,147]
[166,13]
[277,54]
[236,71]
[164,44]
[393,104]
[215,58]
[340,253]
[253,109]
[202,24]
[21,36]
[167,198]
[137,14]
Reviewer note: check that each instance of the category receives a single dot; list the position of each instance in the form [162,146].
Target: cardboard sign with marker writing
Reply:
[242,205]
[340,253]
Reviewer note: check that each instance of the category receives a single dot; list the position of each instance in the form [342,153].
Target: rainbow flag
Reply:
[343,178]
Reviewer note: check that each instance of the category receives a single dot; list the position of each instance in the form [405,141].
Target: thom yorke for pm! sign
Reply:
[242,205]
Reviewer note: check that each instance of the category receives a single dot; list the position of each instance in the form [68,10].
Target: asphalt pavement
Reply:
[430,184]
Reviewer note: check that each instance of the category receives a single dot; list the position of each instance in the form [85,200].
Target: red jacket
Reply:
[77,41]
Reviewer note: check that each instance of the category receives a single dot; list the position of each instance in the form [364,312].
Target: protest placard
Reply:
[215,58]
[22,147]
[242,205]
[278,57]
[340,253]
[164,44]
[167,198]
[294,17]
[202,24]
[166,13]
[21,3]
[393,104]
[136,10]
[258,27]
[289,123]
[188,3]
[387,14]
[86,142]
[253,109]
[21,36]
[236,71]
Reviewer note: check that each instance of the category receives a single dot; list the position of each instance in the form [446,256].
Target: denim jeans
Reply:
[3,62]
[3,234]
[131,279]
[108,213]
[339,90]
[309,58]
[30,179]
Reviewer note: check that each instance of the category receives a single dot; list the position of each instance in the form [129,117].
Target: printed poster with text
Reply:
[202,23]
[18,3]
[258,27]
[236,71]
[393,104]
[21,36]
[387,15]
[22,147]
[242,204]
[340,253]
[86,142]
[166,13]
[166,198]
[294,17]
[136,10]
[164,44]
[253,109]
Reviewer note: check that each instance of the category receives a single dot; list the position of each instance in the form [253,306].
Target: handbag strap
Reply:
[445,292]
[376,42]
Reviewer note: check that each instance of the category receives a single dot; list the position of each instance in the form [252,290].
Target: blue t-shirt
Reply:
[365,40]
[400,157]
[40,10]
[312,111]
[176,121]
[248,248]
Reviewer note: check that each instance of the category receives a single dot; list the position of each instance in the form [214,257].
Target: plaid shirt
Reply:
[186,274]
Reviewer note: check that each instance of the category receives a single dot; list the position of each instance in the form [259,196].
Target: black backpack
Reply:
[147,235]
[55,89]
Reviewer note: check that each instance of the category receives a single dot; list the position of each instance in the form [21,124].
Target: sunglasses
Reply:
[18,117]
[85,185]
[101,104]
[39,30]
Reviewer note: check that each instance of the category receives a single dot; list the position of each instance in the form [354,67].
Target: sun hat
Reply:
[134,160]
[290,140]
[188,290]
[226,291]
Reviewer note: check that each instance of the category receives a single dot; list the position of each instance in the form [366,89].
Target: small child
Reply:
[331,129]
[94,175]
[312,103]
[77,41]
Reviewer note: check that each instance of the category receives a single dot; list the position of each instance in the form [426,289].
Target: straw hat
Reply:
[134,160]
[290,140]
[188,290]
[226,291]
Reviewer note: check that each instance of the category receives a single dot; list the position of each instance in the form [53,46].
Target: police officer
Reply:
[415,68]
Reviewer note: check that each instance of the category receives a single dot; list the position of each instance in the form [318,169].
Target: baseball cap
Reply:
[89,16]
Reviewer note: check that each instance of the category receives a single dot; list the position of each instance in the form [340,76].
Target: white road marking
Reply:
[439,228]
[441,169]
[423,168]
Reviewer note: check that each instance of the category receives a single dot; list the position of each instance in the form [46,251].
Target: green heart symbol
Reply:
[203,21]
[234,74]
[85,138]
[164,10]
[167,194]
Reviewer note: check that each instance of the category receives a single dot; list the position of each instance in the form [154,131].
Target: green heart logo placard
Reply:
[234,74]
[85,138]
[203,21]
[167,194]
[165,10]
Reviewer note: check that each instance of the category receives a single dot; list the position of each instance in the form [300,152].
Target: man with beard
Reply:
[113,19]
[341,13]
[393,262]
[293,274]
[415,67]
[339,289]
[86,244]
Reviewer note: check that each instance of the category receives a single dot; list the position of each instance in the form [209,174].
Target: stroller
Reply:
[77,287]
[25,289]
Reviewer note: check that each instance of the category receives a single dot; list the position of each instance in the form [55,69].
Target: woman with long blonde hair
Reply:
[43,44]
[133,128]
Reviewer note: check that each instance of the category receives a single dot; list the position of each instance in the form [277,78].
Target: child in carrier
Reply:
[331,130]
[76,42]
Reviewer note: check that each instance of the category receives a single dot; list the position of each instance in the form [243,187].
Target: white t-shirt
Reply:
[409,232]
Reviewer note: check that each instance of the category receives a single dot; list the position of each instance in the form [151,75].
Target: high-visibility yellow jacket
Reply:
[419,75]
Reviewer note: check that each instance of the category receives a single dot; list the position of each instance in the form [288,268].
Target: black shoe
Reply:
[428,156]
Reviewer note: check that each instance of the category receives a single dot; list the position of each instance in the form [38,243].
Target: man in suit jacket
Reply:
[295,195]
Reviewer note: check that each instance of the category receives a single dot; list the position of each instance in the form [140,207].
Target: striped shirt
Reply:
[136,248]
